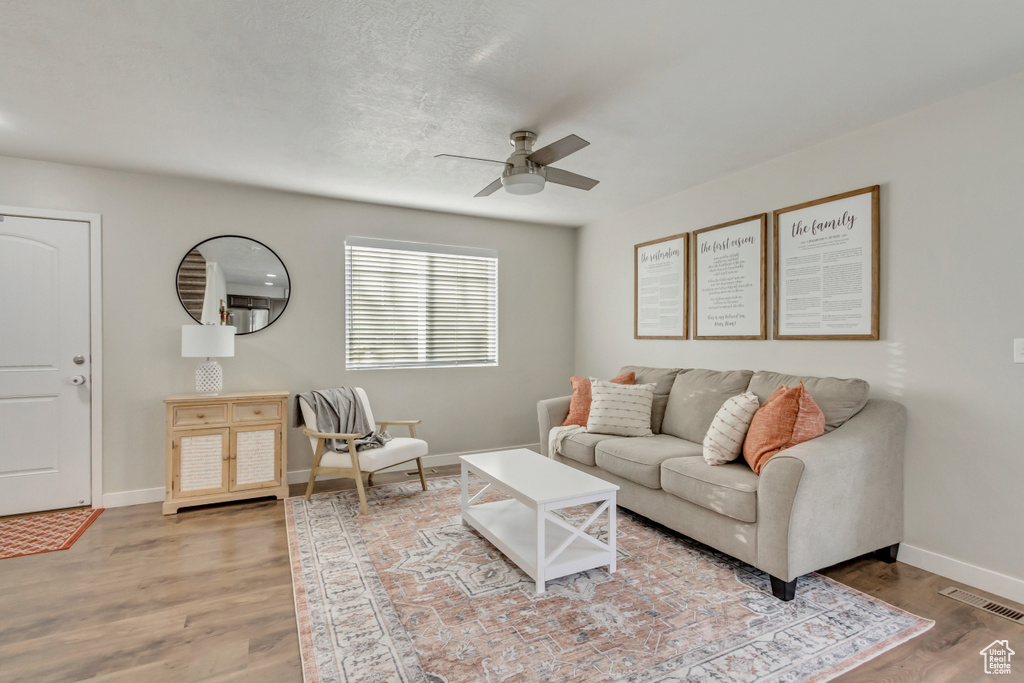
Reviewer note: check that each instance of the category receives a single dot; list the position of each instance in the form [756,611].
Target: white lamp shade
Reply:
[207,341]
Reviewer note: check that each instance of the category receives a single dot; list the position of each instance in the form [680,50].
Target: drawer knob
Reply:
[200,415]
[255,412]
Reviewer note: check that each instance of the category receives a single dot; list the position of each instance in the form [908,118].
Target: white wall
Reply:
[952,212]
[150,222]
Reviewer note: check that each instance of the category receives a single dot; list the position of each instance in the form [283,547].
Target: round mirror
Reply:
[233,280]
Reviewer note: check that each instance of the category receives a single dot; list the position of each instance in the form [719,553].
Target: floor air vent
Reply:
[978,601]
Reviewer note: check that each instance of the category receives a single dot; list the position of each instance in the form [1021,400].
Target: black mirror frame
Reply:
[177,272]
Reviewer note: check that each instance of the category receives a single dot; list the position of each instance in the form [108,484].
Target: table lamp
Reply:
[208,341]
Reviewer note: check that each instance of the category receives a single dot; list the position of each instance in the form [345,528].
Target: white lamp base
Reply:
[209,378]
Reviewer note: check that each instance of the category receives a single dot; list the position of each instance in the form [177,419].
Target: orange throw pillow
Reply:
[579,404]
[788,417]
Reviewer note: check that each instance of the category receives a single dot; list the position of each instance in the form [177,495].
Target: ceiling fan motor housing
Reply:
[522,176]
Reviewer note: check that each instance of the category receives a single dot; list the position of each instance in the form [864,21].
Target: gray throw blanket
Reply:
[339,411]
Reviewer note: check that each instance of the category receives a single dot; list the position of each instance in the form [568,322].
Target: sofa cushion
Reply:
[729,489]
[839,399]
[662,379]
[580,446]
[639,459]
[696,397]
[579,404]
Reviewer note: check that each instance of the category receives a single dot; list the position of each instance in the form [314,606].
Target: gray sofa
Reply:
[815,504]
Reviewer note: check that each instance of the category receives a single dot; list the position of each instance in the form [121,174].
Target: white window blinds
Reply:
[413,305]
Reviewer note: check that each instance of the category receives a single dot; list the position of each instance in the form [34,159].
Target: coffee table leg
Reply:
[465,493]
[541,554]
[611,533]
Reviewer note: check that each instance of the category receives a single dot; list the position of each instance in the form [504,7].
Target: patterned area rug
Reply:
[45,532]
[407,593]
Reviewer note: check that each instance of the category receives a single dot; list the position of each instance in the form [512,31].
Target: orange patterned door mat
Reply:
[43,533]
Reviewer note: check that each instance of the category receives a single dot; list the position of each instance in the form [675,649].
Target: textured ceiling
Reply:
[353,99]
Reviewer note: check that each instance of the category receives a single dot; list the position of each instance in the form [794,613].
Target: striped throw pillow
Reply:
[724,441]
[620,409]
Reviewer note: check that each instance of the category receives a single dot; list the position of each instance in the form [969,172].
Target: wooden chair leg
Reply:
[362,494]
[316,463]
[369,479]
[354,458]
[423,479]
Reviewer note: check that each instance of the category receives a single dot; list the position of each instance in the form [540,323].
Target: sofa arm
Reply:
[551,412]
[835,497]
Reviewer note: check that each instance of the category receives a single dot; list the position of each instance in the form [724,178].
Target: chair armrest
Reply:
[411,424]
[326,435]
[551,412]
[835,497]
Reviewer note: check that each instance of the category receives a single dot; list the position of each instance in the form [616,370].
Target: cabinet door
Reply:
[200,462]
[255,457]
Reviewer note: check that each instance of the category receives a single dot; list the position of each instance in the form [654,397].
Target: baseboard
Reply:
[958,570]
[120,499]
[302,476]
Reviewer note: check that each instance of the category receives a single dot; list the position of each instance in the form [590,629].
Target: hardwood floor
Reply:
[205,595]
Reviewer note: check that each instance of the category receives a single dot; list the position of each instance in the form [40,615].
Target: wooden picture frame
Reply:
[831,247]
[660,311]
[740,249]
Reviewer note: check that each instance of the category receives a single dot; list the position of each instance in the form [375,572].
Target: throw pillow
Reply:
[662,379]
[579,404]
[724,441]
[620,409]
[788,417]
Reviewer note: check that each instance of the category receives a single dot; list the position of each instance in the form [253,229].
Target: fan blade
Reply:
[488,161]
[580,182]
[489,189]
[558,150]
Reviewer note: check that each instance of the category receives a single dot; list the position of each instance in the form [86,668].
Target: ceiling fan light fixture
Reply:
[523,183]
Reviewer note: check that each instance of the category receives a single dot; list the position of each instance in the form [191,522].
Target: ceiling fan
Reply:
[526,171]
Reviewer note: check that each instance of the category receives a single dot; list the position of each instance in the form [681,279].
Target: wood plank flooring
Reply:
[205,595]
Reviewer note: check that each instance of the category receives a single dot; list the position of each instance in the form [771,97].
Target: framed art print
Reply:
[660,293]
[730,280]
[827,268]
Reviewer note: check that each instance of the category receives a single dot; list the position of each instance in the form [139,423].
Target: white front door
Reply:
[45,386]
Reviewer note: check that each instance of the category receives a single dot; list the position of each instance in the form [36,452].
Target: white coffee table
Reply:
[524,528]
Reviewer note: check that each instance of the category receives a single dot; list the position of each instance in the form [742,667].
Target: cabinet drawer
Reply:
[255,412]
[185,416]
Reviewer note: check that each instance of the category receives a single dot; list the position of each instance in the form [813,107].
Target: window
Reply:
[412,305]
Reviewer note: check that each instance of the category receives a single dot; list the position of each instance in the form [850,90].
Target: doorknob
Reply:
[78,380]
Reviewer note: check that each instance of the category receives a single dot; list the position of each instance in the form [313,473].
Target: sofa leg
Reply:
[888,553]
[783,590]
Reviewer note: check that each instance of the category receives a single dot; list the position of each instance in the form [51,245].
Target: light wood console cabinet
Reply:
[225,447]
